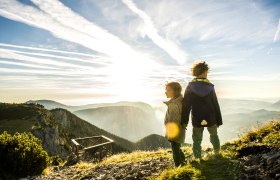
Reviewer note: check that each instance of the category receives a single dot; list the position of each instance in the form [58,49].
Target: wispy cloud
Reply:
[65,56]
[277,32]
[26,65]
[65,24]
[47,50]
[233,21]
[99,36]
[12,54]
[151,31]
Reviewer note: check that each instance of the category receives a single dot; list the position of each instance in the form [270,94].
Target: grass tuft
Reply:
[84,165]
[136,156]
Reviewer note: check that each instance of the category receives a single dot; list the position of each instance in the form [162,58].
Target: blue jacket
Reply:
[200,98]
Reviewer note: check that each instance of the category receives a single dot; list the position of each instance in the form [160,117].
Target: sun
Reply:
[129,77]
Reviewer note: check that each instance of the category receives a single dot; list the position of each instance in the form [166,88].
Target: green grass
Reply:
[213,167]
[226,166]
[265,134]
[136,156]
[185,172]
[223,167]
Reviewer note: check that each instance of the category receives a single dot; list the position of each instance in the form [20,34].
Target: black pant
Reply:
[178,154]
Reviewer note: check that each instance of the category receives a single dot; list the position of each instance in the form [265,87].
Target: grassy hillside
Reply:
[267,134]
[255,155]
[55,127]
[238,159]
[241,122]
[19,117]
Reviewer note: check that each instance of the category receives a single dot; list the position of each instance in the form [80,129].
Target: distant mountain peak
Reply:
[276,103]
[39,100]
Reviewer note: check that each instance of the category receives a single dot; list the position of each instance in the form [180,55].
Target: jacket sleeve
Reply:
[186,106]
[217,109]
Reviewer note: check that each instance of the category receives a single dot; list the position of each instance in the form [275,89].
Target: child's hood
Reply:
[201,88]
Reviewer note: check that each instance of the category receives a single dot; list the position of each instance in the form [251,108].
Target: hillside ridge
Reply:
[54,127]
[255,155]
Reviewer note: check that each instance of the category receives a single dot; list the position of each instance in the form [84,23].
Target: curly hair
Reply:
[199,68]
[176,87]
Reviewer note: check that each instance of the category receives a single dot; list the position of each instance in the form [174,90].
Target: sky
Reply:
[92,51]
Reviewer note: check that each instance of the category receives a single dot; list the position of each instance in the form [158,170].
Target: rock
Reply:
[262,163]
[145,167]
[251,169]
[71,160]
[252,149]
[102,176]
[55,168]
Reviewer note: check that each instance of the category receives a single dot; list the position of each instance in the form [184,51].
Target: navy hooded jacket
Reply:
[200,98]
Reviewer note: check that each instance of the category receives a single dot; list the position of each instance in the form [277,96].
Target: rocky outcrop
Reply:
[50,131]
[259,162]
[53,142]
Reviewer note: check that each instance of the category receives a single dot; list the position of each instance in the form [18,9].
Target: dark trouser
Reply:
[197,138]
[178,154]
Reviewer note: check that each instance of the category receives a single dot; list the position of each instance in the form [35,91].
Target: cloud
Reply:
[12,54]
[65,24]
[48,50]
[135,44]
[277,32]
[26,65]
[150,30]
[219,21]
[85,58]
[99,37]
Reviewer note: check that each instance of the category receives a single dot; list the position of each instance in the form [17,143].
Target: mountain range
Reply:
[135,120]
[130,120]
[57,126]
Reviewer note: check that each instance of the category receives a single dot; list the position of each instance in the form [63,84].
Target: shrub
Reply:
[22,154]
